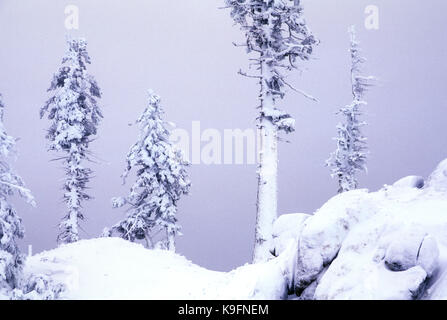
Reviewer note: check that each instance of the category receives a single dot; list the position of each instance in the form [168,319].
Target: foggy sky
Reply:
[183,50]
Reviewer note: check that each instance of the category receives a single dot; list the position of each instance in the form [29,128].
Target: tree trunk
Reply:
[267,175]
[70,222]
[149,242]
[171,240]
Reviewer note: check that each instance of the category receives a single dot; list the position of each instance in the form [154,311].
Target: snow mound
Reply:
[410,182]
[112,268]
[389,244]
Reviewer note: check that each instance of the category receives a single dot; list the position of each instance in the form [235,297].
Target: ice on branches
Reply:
[351,154]
[74,114]
[278,38]
[161,180]
[277,31]
[11,228]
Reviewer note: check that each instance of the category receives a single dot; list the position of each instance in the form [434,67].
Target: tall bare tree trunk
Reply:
[267,200]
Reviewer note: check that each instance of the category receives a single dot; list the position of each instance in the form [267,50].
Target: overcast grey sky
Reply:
[183,50]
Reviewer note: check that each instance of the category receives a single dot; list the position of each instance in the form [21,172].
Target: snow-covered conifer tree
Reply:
[161,180]
[277,34]
[351,154]
[11,229]
[74,114]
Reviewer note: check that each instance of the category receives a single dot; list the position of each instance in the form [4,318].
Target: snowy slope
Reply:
[112,268]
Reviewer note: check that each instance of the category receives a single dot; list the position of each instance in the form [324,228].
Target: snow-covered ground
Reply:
[389,244]
[112,268]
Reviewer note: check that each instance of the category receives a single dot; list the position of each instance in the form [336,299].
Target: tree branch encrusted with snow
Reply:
[74,114]
[277,33]
[161,181]
[351,154]
[11,228]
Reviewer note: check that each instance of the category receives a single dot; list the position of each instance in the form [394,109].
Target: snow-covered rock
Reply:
[264,281]
[324,233]
[410,182]
[438,179]
[287,228]
[428,257]
[411,247]
[309,292]
[393,245]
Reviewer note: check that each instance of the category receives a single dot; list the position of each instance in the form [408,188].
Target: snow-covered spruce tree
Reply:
[74,114]
[161,179]
[11,229]
[351,153]
[277,34]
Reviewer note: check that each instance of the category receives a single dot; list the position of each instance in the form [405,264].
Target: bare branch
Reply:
[306,95]
[248,75]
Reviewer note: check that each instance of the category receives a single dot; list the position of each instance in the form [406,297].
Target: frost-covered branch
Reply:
[161,181]
[11,228]
[74,115]
[278,37]
[351,154]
